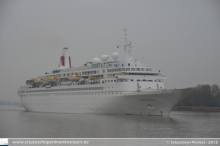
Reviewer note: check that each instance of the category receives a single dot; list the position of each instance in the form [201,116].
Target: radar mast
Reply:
[127,47]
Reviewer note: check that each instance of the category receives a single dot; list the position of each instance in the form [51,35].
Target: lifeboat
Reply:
[38,80]
[92,78]
[52,79]
[74,77]
[30,81]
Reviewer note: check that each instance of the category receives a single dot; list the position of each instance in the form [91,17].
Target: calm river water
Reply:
[15,123]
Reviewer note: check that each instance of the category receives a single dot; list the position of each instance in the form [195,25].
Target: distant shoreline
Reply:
[193,108]
[11,107]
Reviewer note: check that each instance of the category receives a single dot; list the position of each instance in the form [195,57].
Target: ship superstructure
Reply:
[106,87]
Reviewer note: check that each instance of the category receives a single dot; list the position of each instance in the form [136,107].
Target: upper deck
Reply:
[99,72]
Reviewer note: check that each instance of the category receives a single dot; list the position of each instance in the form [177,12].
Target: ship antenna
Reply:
[125,29]
[127,47]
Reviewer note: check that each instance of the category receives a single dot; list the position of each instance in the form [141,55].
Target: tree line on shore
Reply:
[203,95]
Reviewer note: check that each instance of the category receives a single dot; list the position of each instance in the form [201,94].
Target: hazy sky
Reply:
[180,38]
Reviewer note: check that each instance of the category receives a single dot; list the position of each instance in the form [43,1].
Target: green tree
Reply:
[202,95]
[215,89]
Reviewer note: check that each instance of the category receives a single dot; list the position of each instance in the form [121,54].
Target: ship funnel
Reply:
[65,61]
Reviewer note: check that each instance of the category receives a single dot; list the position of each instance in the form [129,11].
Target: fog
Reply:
[180,38]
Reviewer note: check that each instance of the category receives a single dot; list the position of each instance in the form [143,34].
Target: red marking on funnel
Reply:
[62,58]
[70,61]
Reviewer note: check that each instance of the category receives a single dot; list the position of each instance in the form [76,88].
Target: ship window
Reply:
[142,69]
[132,80]
[144,80]
[128,64]
[138,69]
[132,69]
[127,69]
[103,71]
[138,80]
[123,69]
[147,69]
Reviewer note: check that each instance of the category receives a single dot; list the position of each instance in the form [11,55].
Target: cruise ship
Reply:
[101,87]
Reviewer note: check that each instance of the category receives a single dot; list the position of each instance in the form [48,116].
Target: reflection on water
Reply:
[178,124]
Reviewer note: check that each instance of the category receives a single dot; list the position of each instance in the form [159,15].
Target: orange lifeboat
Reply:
[52,79]
[38,80]
[74,77]
[92,78]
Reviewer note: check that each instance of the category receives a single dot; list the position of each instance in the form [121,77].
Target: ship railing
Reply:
[101,65]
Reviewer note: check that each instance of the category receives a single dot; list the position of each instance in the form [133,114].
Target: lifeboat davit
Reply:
[74,77]
[52,79]
[38,80]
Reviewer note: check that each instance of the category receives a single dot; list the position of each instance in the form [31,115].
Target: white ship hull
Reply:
[139,103]
[108,87]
